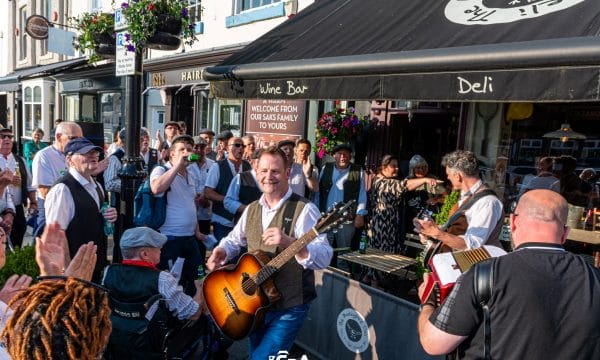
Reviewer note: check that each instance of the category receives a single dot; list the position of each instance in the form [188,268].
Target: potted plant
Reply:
[336,127]
[96,35]
[158,24]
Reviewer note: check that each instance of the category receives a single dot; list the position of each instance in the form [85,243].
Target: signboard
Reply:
[124,60]
[37,27]
[61,41]
[271,121]
[120,21]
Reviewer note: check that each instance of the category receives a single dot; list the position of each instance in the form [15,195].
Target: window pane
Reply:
[22,33]
[72,108]
[195,10]
[88,108]
[37,115]
[28,97]
[37,94]
[27,119]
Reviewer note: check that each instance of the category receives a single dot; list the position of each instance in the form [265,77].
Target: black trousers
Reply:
[19,226]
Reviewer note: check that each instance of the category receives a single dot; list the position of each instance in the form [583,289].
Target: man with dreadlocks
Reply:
[65,318]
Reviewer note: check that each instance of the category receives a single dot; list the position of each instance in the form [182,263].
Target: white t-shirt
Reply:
[181,208]
[48,165]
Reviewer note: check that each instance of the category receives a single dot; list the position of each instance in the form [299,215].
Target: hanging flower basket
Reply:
[96,35]
[105,45]
[339,126]
[158,24]
[166,37]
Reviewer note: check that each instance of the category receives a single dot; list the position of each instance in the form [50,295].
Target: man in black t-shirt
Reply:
[544,300]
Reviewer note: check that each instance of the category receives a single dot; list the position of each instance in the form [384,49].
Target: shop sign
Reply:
[37,27]
[270,121]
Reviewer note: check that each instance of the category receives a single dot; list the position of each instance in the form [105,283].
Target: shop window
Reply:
[71,107]
[230,116]
[110,113]
[32,109]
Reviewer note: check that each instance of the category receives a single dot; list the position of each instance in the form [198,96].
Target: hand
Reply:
[6,177]
[274,236]
[198,200]
[13,285]
[50,250]
[216,259]
[102,165]
[359,221]
[200,236]
[422,286]
[220,154]
[83,263]
[110,214]
[32,208]
[8,219]
[163,154]
[16,180]
[428,228]
[307,168]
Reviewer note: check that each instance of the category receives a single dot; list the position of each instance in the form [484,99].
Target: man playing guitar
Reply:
[278,229]
[480,219]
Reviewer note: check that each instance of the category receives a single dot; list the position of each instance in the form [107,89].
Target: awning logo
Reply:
[353,330]
[487,12]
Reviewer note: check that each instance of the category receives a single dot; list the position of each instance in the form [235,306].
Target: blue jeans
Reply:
[278,332]
[220,231]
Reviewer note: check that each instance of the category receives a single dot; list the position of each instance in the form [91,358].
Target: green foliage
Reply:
[444,213]
[20,262]
[91,25]
[141,16]
[336,127]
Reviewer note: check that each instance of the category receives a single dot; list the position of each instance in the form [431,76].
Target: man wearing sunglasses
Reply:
[20,189]
[220,176]
[49,164]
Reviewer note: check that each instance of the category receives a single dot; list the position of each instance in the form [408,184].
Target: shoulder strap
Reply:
[483,281]
[288,213]
[467,205]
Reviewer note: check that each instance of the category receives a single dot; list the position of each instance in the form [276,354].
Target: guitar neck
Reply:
[283,257]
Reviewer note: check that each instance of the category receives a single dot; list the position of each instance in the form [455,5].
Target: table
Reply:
[380,260]
[587,237]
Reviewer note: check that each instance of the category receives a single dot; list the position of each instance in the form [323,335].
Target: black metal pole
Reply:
[132,173]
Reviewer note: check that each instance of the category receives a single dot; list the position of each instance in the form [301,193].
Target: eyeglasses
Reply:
[6,136]
[237,145]
[71,137]
[103,289]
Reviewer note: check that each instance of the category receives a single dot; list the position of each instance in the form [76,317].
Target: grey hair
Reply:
[131,253]
[463,161]
[416,160]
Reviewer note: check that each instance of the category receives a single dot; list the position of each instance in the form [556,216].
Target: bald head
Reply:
[540,216]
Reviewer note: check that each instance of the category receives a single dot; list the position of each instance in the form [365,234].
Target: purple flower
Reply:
[130,48]
[127,37]
[184,13]
[124,5]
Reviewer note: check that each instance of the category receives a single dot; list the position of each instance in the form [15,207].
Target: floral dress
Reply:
[386,201]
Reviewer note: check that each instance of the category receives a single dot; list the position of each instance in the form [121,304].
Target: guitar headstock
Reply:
[335,218]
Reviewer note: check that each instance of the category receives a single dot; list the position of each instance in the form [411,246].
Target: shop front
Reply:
[512,82]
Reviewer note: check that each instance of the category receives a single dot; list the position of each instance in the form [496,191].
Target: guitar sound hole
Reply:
[249,286]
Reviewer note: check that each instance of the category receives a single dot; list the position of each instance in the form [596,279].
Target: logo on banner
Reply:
[353,330]
[487,12]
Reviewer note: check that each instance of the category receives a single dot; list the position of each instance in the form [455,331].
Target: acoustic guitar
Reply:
[236,296]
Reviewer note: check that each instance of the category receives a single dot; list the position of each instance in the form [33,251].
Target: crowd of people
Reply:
[216,202]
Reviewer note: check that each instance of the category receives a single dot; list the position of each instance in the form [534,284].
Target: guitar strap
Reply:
[288,214]
[483,281]
[466,205]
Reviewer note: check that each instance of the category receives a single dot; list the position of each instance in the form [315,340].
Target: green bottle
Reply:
[364,242]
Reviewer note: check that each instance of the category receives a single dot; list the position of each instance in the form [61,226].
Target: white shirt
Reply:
[181,208]
[201,173]
[482,218]
[48,165]
[60,206]
[11,164]
[319,250]
[213,180]
[232,198]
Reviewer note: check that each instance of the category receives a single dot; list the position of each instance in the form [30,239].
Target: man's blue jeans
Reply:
[278,332]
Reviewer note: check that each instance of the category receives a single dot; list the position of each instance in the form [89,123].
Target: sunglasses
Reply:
[6,136]
[237,145]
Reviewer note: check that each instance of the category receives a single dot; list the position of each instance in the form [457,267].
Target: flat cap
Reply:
[142,237]
[172,123]
[340,147]
[223,135]
[80,146]
[285,142]
[206,131]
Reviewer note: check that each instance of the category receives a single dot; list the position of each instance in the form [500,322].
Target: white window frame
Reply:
[252,5]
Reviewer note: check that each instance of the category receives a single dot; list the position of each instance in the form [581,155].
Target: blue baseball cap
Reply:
[80,146]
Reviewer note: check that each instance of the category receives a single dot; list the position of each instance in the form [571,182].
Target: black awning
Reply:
[11,81]
[453,50]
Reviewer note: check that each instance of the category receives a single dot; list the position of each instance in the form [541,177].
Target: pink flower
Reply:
[321,153]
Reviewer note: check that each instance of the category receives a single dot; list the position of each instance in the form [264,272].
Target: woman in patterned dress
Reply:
[386,200]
